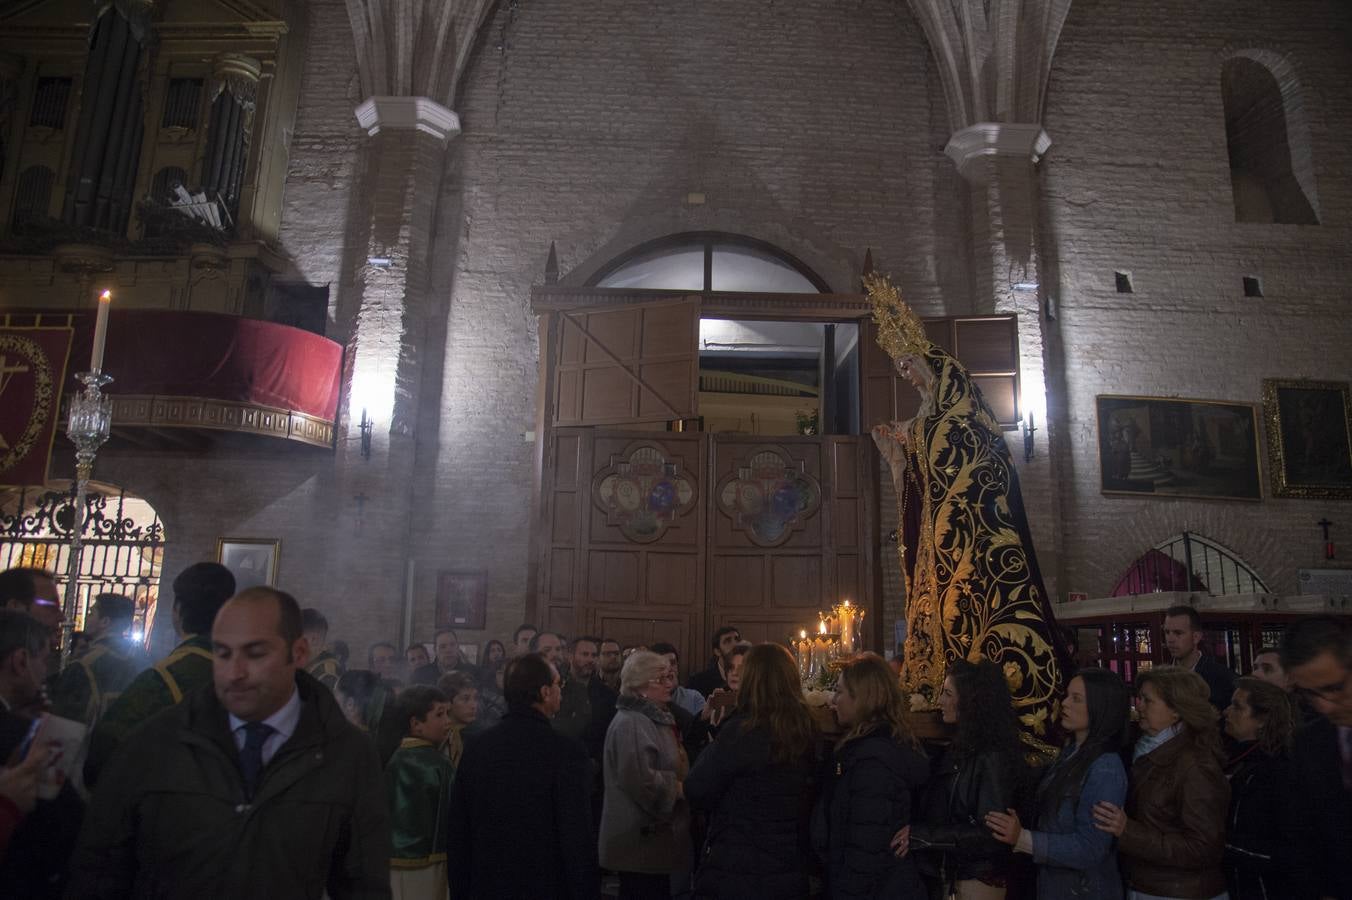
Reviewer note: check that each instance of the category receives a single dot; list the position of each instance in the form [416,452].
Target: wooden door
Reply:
[626,543]
[627,364]
[988,346]
[788,526]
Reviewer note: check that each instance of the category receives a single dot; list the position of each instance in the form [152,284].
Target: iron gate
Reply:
[123,545]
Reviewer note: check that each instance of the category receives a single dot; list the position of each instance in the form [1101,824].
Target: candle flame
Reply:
[847,601]
[802,634]
[106,297]
[821,627]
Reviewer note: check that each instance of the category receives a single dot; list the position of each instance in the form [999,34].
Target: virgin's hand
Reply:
[901,841]
[1109,817]
[1004,826]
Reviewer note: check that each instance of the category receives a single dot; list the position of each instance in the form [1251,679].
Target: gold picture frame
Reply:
[253,561]
[1309,436]
[1175,447]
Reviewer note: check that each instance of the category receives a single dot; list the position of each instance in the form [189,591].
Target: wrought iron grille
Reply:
[123,551]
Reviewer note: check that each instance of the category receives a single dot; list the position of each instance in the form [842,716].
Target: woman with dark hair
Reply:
[1075,859]
[752,782]
[977,775]
[1171,835]
[1260,719]
[866,798]
[494,654]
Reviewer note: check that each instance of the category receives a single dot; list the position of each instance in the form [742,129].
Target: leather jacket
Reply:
[1174,839]
[951,834]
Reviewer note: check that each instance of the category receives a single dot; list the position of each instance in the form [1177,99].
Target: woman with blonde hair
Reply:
[645,826]
[867,797]
[1171,836]
[752,782]
[1260,720]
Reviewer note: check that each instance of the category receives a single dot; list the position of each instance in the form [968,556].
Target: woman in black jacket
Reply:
[1260,719]
[976,775]
[867,797]
[755,783]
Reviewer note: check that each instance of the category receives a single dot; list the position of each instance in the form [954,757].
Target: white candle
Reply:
[846,614]
[100,331]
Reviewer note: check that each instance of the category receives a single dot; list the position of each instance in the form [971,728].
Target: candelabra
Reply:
[91,419]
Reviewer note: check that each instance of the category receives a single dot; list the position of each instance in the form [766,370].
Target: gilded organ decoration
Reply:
[769,496]
[972,583]
[643,493]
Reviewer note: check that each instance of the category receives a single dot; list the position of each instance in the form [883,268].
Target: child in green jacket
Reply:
[418,783]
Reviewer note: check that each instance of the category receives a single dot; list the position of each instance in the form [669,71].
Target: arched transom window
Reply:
[710,261]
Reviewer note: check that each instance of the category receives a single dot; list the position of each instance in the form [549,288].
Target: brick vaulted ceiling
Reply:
[994,56]
[415,48]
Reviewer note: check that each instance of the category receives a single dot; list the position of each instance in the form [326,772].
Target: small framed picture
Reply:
[462,600]
[253,561]
[1309,431]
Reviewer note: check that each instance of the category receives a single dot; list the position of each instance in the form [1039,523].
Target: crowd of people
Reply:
[255,760]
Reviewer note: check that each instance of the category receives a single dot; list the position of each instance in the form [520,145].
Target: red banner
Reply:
[32,370]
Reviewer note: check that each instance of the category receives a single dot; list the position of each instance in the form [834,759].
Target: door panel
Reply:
[617,365]
[987,346]
[635,571]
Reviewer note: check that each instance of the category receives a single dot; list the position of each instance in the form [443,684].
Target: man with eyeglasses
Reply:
[1317,655]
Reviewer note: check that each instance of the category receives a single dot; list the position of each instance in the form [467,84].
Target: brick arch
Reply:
[1146,525]
[1298,144]
[833,264]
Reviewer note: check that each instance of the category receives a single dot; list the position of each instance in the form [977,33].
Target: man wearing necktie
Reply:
[254,786]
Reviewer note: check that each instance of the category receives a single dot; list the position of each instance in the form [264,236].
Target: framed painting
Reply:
[1309,436]
[462,600]
[253,561]
[1168,447]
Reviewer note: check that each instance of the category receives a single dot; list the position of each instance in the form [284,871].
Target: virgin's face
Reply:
[1156,715]
[948,701]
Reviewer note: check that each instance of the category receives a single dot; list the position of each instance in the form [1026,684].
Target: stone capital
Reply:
[1014,140]
[377,114]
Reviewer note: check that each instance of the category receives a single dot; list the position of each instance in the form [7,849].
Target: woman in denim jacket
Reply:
[1075,859]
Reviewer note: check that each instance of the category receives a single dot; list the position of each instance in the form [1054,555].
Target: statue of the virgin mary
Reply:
[972,584]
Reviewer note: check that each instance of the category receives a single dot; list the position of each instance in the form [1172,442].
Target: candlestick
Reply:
[802,651]
[845,613]
[100,332]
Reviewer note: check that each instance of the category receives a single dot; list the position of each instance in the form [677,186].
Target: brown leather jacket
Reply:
[1175,835]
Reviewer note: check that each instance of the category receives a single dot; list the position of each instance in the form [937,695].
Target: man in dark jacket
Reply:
[256,786]
[34,864]
[520,811]
[587,705]
[89,685]
[1317,654]
[199,592]
[1182,635]
[449,659]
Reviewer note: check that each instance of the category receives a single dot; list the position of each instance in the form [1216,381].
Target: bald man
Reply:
[255,785]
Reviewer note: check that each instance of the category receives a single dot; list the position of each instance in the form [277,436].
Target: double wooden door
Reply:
[660,536]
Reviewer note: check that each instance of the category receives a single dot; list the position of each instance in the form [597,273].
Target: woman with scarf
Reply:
[1171,835]
[1260,719]
[645,826]
[1073,858]
[867,796]
[754,782]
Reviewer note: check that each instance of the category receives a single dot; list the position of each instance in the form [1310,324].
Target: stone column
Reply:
[384,311]
[999,162]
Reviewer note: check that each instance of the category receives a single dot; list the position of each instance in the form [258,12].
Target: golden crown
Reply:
[900,331]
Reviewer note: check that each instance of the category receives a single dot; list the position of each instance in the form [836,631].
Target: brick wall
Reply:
[817,126]
[1138,180]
